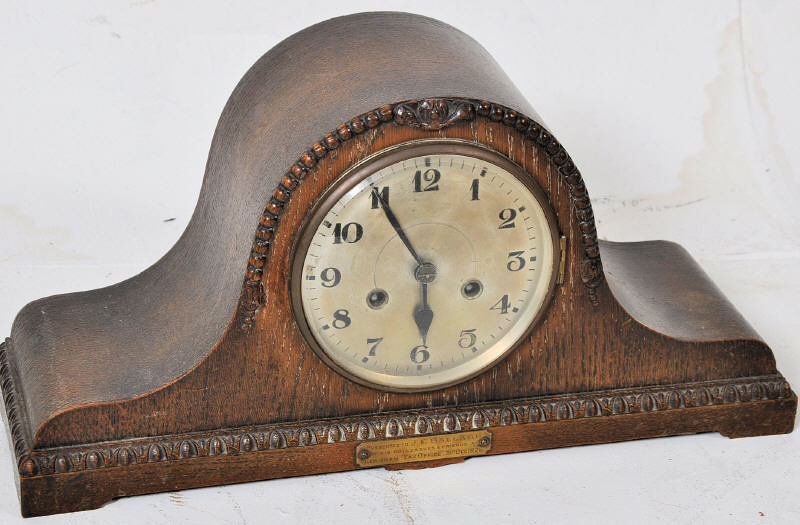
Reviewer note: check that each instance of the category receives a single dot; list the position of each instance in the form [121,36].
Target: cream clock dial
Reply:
[424,265]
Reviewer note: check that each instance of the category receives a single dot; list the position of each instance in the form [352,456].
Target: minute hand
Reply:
[396,225]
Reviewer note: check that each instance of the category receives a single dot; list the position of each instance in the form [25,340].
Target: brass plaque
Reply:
[424,448]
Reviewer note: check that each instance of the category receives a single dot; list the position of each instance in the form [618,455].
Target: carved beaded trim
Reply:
[397,424]
[432,114]
[12,412]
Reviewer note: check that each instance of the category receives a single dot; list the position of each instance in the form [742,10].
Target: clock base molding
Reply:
[89,475]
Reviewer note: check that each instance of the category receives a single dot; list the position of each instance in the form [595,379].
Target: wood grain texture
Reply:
[662,287]
[164,381]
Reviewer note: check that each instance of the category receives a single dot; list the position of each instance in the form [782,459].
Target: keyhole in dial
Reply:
[377,299]
[472,289]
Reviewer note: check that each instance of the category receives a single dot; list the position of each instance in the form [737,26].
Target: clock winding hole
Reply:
[472,289]
[377,299]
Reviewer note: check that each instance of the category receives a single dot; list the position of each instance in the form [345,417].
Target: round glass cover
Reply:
[424,265]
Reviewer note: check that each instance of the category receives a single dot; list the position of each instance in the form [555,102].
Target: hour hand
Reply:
[423,315]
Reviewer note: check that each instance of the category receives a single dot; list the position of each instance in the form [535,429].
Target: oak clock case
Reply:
[128,389]
[430,226]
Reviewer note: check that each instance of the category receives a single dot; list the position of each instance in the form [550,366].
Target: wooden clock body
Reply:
[194,372]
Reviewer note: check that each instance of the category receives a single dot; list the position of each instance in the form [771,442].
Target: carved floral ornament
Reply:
[431,115]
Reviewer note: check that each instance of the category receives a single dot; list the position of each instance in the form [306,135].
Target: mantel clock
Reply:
[393,262]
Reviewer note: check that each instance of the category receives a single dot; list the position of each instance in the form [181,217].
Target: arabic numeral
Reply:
[502,305]
[420,354]
[379,195]
[430,177]
[517,261]
[467,338]
[507,216]
[341,319]
[349,233]
[330,277]
[374,342]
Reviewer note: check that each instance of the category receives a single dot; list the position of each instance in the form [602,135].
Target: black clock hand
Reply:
[396,225]
[423,315]
[424,272]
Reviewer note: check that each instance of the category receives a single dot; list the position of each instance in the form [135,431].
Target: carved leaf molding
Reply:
[386,426]
[432,115]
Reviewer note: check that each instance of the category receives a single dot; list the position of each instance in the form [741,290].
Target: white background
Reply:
[682,116]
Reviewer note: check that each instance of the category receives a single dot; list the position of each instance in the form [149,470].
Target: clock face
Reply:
[424,265]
